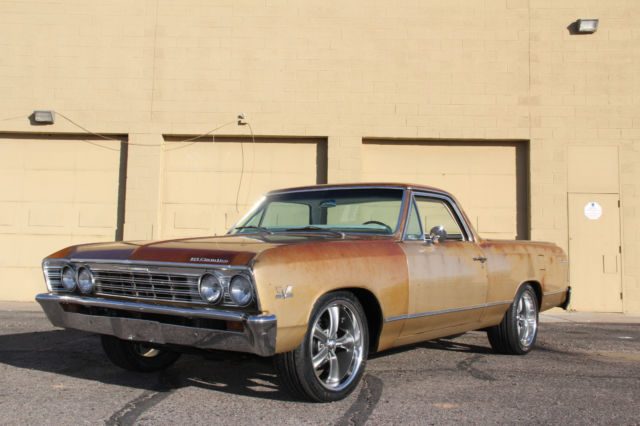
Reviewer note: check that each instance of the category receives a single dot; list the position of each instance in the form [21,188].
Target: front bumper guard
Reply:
[258,335]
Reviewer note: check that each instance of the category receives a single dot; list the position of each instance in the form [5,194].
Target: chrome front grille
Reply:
[134,280]
[152,285]
[53,275]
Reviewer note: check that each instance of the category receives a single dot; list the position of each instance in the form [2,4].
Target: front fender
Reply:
[290,279]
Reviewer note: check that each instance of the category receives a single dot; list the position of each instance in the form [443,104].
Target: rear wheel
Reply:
[137,356]
[329,363]
[517,332]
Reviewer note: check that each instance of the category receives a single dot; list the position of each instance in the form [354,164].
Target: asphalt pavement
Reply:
[584,370]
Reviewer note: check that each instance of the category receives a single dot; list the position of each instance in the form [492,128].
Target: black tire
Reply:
[137,356]
[517,332]
[338,339]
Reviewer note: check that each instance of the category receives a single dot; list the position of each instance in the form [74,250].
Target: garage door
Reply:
[201,179]
[489,179]
[55,192]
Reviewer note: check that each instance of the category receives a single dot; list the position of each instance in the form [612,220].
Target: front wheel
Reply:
[137,356]
[518,330]
[329,363]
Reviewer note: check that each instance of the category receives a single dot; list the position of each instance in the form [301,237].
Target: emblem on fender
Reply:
[208,260]
[284,294]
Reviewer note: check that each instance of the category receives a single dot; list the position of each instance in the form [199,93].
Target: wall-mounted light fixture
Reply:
[586,26]
[43,117]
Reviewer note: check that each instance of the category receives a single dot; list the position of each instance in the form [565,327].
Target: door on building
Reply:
[208,186]
[488,178]
[594,252]
[57,190]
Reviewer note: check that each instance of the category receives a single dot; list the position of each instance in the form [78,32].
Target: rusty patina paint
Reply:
[424,291]
[378,266]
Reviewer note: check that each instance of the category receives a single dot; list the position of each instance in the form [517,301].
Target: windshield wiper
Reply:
[259,228]
[316,228]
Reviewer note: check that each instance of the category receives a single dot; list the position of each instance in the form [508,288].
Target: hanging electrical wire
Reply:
[195,139]
[121,139]
[192,139]
[253,159]
[87,130]
[242,121]
[12,118]
[100,146]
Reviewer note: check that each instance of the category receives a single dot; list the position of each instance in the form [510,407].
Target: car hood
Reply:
[230,250]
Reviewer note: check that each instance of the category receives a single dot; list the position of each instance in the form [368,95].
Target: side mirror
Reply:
[437,234]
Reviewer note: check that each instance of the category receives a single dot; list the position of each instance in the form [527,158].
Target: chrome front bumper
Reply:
[162,324]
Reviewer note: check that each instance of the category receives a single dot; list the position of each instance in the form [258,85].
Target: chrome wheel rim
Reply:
[526,319]
[336,345]
[145,351]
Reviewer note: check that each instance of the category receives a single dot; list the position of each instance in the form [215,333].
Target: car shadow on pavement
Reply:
[444,344]
[452,345]
[79,354]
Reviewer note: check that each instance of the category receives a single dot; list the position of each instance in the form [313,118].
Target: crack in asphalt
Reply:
[367,400]
[132,410]
[467,365]
[128,414]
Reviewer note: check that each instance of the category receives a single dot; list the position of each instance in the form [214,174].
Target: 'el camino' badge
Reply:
[208,260]
[284,294]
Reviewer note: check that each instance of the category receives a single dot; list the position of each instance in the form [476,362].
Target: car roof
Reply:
[361,185]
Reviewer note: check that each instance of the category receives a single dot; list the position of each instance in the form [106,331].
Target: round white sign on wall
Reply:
[593,210]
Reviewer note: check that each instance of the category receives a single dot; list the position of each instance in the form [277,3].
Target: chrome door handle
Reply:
[480,259]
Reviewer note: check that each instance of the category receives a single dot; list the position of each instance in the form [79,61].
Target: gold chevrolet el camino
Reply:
[317,278]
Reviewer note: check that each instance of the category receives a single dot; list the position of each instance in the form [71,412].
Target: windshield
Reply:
[366,210]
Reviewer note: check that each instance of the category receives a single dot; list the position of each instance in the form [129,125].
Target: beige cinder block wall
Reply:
[584,93]
[469,70]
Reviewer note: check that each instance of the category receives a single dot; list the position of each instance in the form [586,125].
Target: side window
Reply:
[436,212]
[281,213]
[414,231]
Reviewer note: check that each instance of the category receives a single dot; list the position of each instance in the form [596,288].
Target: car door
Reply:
[448,278]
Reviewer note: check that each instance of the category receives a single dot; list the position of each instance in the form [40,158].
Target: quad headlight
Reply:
[85,280]
[68,278]
[240,290]
[210,288]
[225,289]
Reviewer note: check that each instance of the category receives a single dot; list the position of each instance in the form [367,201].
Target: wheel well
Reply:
[537,288]
[373,312]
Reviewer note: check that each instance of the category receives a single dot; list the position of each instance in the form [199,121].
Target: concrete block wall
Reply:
[584,92]
[461,70]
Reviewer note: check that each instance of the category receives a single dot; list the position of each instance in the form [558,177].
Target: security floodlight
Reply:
[44,117]
[586,26]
